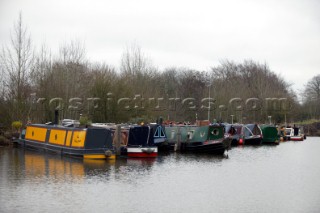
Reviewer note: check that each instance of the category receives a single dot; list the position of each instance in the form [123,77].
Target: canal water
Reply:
[284,178]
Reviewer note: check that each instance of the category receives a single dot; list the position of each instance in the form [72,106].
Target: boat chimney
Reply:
[56,117]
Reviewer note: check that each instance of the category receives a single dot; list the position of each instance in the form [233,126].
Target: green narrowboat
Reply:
[270,134]
[207,139]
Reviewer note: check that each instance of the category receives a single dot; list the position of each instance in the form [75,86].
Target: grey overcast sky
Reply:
[196,34]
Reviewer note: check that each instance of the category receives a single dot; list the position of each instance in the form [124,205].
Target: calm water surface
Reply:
[284,178]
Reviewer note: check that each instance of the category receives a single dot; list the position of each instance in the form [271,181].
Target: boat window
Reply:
[159,133]
[288,131]
[247,132]
[227,128]
[215,132]
[232,131]
[238,130]
[156,134]
[162,135]
[190,134]
[173,132]
[256,130]
[124,138]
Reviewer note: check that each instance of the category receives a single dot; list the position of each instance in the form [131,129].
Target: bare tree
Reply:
[17,59]
[312,96]
[133,60]
[72,52]
[313,87]
[250,79]
[41,69]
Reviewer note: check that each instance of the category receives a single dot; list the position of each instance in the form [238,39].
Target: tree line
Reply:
[36,82]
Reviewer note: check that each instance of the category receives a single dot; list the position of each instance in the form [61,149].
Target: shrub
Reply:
[16,125]
[84,120]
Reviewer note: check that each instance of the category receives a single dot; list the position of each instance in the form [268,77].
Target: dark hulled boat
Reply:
[141,142]
[270,134]
[236,134]
[252,134]
[93,143]
[206,139]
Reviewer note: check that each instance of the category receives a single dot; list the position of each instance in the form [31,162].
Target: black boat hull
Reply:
[62,150]
[253,141]
[214,147]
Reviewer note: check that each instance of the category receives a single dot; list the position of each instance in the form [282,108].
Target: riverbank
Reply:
[312,129]
[4,141]
[7,138]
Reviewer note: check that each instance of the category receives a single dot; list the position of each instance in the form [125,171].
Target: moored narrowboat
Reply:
[252,134]
[236,134]
[141,142]
[270,134]
[206,139]
[297,134]
[91,143]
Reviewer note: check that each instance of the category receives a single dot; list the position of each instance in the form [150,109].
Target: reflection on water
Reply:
[282,178]
[38,165]
[32,164]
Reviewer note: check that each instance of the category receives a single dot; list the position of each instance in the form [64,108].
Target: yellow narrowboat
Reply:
[91,142]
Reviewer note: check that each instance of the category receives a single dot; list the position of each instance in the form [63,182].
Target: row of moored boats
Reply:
[106,141]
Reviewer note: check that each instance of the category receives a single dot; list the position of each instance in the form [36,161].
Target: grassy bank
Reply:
[311,127]
[308,122]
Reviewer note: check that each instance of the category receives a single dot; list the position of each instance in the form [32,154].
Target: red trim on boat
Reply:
[142,154]
[296,139]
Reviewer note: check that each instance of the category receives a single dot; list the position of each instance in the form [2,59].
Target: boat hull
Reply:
[212,147]
[253,141]
[85,153]
[270,141]
[235,142]
[142,152]
[296,138]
